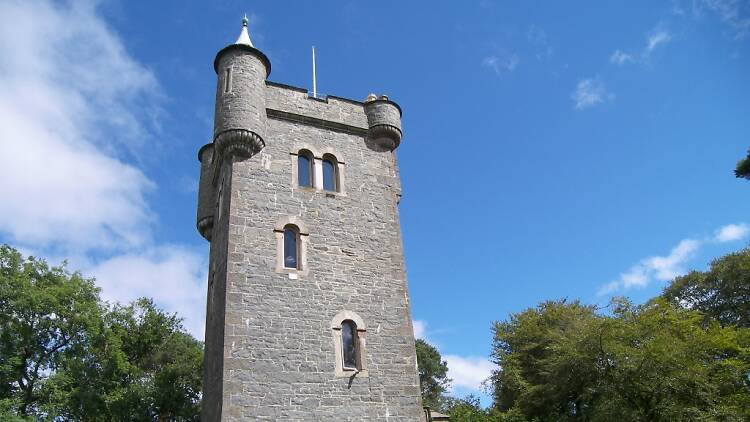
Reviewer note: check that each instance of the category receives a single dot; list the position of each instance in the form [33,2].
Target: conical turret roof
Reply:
[244,37]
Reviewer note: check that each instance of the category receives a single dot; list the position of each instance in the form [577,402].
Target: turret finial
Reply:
[244,38]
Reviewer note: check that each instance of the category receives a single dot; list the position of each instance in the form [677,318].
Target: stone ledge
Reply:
[316,122]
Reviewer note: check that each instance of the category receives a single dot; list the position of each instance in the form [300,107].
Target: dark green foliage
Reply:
[46,316]
[721,293]
[433,375]
[657,362]
[65,355]
[743,167]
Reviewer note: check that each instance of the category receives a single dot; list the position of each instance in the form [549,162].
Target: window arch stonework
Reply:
[317,174]
[305,169]
[284,227]
[339,323]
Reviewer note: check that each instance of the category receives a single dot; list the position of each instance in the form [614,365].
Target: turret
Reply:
[240,115]
[239,118]
[384,121]
[206,192]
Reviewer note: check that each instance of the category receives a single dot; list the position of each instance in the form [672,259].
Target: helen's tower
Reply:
[308,311]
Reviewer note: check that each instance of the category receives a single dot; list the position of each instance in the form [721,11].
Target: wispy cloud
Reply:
[656,38]
[732,232]
[537,37]
[667,267]
[589,93]
[501,63]
[734,13]
[620,58]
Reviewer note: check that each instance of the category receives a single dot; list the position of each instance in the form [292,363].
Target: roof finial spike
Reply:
[244,37]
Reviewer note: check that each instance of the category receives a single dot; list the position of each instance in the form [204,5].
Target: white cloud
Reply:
[468,372]
[175,277]
[73,102]
[665,268]
[75,112]
[501,63]
[620,58]
[731,232]
[589,93]
[420,329]
[660,268]
[670,266]
[657,37]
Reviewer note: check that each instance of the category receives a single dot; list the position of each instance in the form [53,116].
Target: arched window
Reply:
[305,169]
[349,343]
[291,247]
[330,173]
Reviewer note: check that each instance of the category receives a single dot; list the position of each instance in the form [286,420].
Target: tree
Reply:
[433,375]
[655,362]
[66,355]
[143,366]
[46,314]
[743,167]
[721,293]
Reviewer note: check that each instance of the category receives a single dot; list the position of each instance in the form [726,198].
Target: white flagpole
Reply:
[315,86]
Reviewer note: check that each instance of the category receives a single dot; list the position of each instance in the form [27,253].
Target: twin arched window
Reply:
[306,171]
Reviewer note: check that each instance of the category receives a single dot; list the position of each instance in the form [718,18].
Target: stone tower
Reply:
[308,313]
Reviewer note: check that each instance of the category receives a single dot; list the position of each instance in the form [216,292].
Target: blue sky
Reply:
[551,150]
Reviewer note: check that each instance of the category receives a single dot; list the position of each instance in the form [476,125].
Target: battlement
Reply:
[288,102]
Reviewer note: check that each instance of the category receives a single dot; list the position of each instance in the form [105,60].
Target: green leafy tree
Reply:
[65,355]
[467,409]
[433,375]
[656,362]
[743,167]
[143,368]
[46,314]
[721,293]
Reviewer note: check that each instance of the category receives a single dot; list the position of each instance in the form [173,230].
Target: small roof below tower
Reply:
[244,37]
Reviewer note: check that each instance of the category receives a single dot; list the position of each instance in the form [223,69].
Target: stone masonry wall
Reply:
[278,346]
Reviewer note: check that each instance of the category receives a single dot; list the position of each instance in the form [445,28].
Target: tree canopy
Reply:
[743,167]
[655,362]
[433,375]
[65,354]
[721,293]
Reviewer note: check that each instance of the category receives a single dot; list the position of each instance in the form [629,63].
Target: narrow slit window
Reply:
[349,344]
[291,247]
[228,80]
[304,169]
[330,178]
